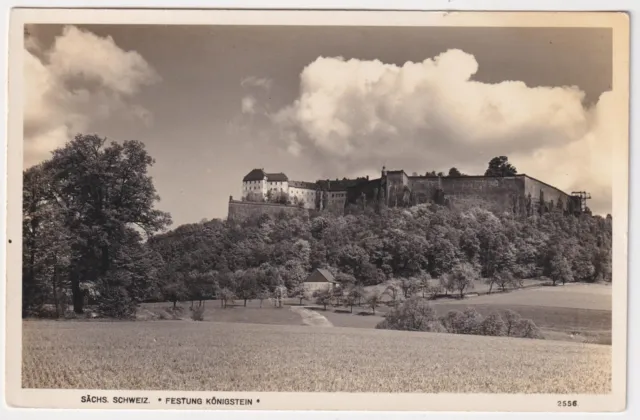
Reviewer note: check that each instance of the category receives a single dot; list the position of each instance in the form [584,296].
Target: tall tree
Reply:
[106,196]
[500,166]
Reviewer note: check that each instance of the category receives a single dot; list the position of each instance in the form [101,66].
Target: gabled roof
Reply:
[279,177]
[320,275]
[303,184]
[255,175]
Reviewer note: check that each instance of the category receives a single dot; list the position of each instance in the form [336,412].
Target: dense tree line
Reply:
[424,250]
[92,235]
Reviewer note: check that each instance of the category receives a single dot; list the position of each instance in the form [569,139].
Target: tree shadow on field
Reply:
[342,311]
[316,308]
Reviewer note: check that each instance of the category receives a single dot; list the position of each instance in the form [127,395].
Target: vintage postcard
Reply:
[305,210]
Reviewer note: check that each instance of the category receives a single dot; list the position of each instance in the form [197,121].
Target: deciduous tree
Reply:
[463,278]
[500,166]
[104,192]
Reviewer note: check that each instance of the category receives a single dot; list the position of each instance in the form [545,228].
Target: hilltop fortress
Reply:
[519,194]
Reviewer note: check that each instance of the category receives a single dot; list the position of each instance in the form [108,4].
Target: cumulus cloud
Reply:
[356,115]
[259,82]
[80,79]
[248,105]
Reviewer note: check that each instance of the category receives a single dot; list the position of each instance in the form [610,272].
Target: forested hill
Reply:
[367,249]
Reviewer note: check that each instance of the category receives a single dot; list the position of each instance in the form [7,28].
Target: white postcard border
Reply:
[325,401]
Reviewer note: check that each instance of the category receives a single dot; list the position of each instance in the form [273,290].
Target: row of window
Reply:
[298,192]
[260,182]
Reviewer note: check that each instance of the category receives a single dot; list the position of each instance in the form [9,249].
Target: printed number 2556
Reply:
[565,403]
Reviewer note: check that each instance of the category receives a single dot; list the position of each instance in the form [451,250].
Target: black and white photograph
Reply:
[209,213]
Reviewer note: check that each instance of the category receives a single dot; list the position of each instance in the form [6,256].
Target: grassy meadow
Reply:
[264,348]
[576,312]
[212,356]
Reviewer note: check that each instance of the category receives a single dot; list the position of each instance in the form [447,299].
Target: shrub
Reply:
[494,325]
[171,313]
[506,280]
[373,300]
[452,322]
[436,326]
[323,297]
[412,315]
[471,322]
[463,278]
[116,303]
[526,328]
[511,319]
[198,313]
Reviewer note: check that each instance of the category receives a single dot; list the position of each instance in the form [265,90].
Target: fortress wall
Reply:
[482,185]
[423,188]
[534,187]
[502,192]
[242,210]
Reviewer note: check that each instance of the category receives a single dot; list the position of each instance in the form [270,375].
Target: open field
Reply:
[479,287]
[575,295]
[575,312]
[178,355]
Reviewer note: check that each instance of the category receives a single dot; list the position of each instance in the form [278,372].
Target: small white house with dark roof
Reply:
[320,279]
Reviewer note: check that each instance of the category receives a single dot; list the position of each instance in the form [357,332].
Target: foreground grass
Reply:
[178,355]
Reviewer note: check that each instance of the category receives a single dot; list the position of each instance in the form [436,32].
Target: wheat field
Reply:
[199,356]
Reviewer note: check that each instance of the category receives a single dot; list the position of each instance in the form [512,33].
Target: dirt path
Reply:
[311,318]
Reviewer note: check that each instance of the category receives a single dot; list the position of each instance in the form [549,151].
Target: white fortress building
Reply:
[259,185]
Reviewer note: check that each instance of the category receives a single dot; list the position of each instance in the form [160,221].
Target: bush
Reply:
[526,328]
[493,325]
[323,297]
[412,315]
[471,322]
[43,311]
[453,322]
[198,313]
[171,313]
[116,303]
[511,319]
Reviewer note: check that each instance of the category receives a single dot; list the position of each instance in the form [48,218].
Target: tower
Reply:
[581,197]
[384,192]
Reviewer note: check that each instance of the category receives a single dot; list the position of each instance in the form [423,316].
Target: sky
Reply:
[213,102]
